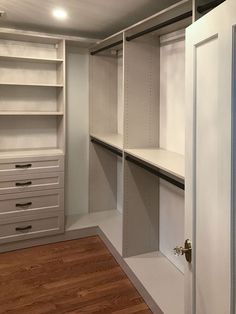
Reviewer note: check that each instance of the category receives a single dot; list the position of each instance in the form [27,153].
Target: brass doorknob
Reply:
[186,250]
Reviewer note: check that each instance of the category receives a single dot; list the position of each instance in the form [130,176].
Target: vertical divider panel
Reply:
[141,215]
[61,73]
[141,92]
[141,130]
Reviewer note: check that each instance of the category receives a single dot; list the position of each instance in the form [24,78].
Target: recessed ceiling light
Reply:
[60,14]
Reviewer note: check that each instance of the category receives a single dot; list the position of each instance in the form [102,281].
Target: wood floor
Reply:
[79,276]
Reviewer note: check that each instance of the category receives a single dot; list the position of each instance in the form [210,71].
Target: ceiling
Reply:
[89,18]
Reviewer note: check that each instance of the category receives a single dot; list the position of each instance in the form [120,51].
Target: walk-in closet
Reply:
[117,144]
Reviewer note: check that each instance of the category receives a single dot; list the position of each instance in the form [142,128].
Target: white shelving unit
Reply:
[106,127]
[32,136]
[150,146]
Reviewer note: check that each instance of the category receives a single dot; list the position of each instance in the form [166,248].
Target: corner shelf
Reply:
[113,139]
[29,59]
[167,161]
[110,223]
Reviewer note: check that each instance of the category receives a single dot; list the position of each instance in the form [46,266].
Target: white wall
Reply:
[77,155]
[172,94]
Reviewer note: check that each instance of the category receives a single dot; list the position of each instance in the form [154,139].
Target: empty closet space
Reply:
[106,138]
[106,93]
[154,146]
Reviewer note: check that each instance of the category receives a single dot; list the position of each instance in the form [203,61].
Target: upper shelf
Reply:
[31,113]
[30,152]
[114,139]
[31,84]
[167,161]
[30,59]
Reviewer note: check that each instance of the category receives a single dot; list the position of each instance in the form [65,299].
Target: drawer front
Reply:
[13,166]
[31,226]
[31,182]
[32,202]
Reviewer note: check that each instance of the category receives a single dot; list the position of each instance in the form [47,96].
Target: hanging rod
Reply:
[112,149]
[200,9]
[208,6]
[107,47]
[161,25]
[155,171]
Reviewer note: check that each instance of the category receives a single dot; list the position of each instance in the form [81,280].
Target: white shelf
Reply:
[31,113]
[30,152]
[170,162]
[113,139]
[31,84]
[30,59]
[110,222]
[163,281]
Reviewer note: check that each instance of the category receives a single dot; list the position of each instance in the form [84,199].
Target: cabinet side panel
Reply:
[140,211]
[77,144]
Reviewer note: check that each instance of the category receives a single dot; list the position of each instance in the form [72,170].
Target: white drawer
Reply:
[31,226]
[31,182]
[23,165]
[31,202]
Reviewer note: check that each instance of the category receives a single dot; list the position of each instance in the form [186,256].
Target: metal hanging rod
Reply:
[112,149]
[107,47]
[208,6]
[155,171]
[200,9]
[161,25]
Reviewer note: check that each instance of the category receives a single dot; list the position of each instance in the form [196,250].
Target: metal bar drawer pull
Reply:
[23,228]
[24,204]
[23,183]
[23,166]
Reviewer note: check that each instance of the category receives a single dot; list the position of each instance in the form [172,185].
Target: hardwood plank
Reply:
[78,276]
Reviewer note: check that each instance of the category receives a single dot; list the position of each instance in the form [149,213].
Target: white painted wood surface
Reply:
[44,181]
[170,162]
[161,279]
[208,161]
[45,224]
[172,92]
[77,131]
[109,221]
[41,202]
[113,139]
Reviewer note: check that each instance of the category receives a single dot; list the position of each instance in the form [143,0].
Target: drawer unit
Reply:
[14,166]
[31,226]
[31,182]
[31,202]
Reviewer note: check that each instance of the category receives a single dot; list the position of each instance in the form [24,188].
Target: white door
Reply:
[211,49]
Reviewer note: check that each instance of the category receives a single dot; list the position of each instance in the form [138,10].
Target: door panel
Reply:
[208,161]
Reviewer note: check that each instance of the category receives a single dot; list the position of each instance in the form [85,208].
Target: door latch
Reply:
[186,250]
